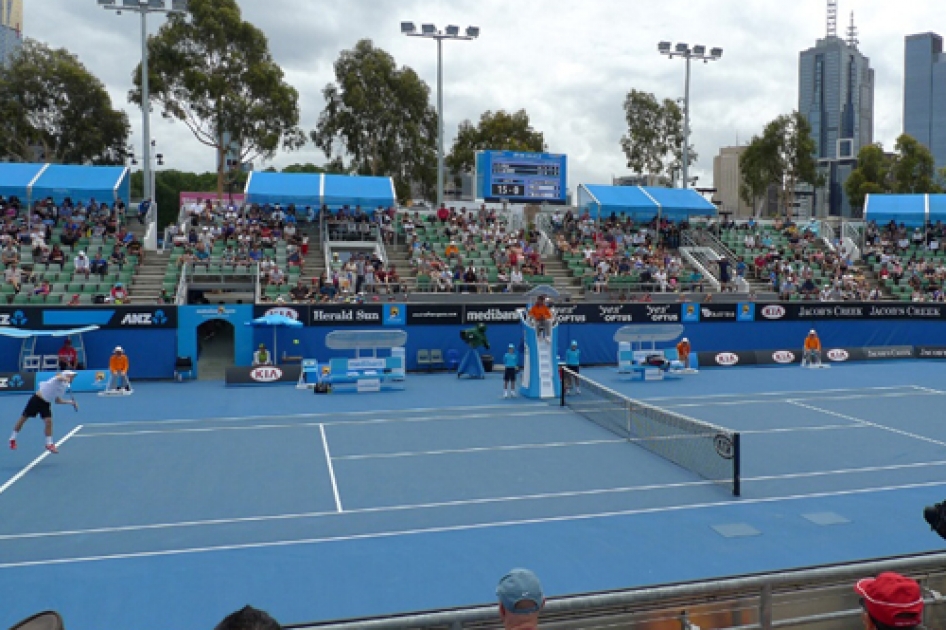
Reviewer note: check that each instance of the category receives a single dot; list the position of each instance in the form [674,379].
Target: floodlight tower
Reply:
[431,32]
[143,8]
[697,52]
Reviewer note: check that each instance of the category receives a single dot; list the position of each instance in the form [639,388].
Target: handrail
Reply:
[754,595]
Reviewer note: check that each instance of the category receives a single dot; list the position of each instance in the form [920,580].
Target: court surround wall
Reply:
[154,340]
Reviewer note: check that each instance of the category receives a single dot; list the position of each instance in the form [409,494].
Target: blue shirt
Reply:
[511,359]
[573,357]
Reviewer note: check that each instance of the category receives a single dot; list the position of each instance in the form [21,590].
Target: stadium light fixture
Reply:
[698,52]
[143,8]
[451,32]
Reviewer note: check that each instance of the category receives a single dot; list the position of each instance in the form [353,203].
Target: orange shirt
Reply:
[812,343]
[540,312]
[451,250]
[683,348]
[118,363]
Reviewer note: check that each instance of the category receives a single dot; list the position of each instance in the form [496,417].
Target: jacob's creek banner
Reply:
[829,355]
[51,318]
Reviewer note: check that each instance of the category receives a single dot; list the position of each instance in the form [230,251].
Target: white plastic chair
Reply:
[50,363]
[31,363]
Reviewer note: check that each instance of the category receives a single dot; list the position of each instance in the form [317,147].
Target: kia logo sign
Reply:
[266,374]
[727,358]
[773,311]
[291,313]
[838,354]
[783,356]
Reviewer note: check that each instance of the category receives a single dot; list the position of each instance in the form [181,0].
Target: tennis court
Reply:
[177,505]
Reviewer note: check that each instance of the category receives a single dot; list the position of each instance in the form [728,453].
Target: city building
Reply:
[11,28]
[924,93]
[836,96]
[727,178]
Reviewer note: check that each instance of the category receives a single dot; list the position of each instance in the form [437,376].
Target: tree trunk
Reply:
[221,173]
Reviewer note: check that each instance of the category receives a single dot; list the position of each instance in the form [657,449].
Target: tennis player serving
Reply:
[40,404]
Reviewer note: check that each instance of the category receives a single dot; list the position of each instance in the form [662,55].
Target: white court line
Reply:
[782,393]
[36,461]
[465,502]
[310,415]
[331,469]
[871,424]
[457,528]
[929,389]
[768,401]
[250,427]
[480,449]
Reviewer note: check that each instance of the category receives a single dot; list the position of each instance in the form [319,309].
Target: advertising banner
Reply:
[17,382]
[826,311]
[113,317]
[263,374]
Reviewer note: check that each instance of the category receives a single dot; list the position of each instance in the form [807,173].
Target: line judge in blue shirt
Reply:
[573,363]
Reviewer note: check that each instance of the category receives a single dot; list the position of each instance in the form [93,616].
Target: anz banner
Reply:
[123,317]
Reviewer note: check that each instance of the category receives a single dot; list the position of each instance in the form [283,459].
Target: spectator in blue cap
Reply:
[520,600]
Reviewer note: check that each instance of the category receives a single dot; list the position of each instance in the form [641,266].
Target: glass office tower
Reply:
[924,93]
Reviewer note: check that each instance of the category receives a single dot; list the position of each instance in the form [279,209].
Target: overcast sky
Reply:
[568,64]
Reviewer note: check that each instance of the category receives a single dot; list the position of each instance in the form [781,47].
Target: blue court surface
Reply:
[177,505]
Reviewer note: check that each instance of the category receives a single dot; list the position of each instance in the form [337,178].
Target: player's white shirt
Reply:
[52,389]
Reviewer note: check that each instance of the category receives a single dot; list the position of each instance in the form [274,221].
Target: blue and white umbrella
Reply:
[274,321]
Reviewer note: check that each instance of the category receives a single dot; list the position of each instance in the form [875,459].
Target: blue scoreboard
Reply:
[521,177]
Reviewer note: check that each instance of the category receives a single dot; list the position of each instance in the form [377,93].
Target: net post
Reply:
[561,379]
[630,414]
[737,458]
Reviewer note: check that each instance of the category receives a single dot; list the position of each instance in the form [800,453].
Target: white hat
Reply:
[685,339]
[82,253]
[68,373]
[812,332]
[118,349]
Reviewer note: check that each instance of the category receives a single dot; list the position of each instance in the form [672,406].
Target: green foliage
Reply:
[910,170]
[212,71]
[497,132]
[380,117]
[783,156]
[49,100]
[653,143]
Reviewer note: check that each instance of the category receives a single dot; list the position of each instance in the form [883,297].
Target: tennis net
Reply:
[710,451]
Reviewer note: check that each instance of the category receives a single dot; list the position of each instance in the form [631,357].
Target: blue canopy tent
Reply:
[642,203]
[364,191]
[315,189]
[82,183]
[301,189]
[911,210]
[16,179]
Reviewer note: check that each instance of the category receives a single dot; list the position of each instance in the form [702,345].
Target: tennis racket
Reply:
[75,405]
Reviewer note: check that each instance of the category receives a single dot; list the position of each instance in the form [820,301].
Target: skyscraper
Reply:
[836,96]
[924,93]
[11,28]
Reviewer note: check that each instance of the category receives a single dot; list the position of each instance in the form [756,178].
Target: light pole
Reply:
[698,52]
[431,32]
[143,8]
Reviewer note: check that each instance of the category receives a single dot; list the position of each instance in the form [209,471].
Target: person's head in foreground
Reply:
[890,601]
[248,618]
[812,333]
[118,350]
[520,600]
[67,375]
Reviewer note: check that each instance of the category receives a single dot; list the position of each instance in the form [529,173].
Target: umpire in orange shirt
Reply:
[118,366]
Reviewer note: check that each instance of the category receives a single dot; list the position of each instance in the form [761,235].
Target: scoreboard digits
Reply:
[521,177]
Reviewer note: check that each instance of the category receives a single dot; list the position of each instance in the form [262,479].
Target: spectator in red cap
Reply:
[890,601]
